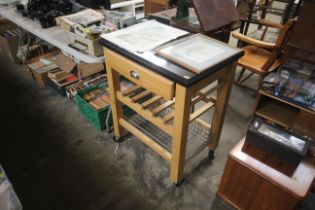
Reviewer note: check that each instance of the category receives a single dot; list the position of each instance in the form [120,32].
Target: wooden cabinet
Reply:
[254,180]
[153,6]
[285,114]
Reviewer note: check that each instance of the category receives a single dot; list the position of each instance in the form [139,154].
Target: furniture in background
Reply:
[153,6]
[134,7]
[285,113]
[262,57]
[215,18]
[251,11]
[301,44]
[291,6]
[53,35]
[253,179]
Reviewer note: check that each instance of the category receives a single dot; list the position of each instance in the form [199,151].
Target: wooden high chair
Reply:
[262,57]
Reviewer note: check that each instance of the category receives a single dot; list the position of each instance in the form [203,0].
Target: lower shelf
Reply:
[198,139]
[278,112]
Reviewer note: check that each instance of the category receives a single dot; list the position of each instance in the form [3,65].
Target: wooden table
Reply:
[162,99]
[192,24]
[53,35]
[254,180]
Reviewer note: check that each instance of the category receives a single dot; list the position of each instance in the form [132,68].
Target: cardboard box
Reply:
[41,77]
[60,63]
[88,69]
[57,74]
[66,66]
[9,44]
[28,72]
[61,86]
[92,47]
[65,63]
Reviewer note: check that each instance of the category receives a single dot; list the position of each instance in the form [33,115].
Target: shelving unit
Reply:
[135,7]
[199,135]
[285,114]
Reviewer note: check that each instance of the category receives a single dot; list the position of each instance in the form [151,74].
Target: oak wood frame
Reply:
[182,110]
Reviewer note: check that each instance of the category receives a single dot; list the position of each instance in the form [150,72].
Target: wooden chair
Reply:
[250,10]
[262,57]
[290,10]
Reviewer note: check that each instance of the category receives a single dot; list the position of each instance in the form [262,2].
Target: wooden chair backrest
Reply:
[280,44]
[284,32]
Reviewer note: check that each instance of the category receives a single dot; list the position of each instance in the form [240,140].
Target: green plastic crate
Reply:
[99,118]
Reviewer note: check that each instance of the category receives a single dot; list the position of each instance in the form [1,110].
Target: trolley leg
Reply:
[223,95]
[181,123]
[211,154]
[116,106]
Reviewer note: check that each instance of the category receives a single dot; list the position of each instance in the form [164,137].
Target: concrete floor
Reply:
[57,161]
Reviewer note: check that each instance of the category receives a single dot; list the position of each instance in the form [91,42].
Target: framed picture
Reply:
[197,52]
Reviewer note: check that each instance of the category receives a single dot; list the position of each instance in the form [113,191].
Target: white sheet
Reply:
[144,36]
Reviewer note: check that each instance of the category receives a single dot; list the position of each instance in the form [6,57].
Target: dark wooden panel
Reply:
[305,123]
[251,180]
[239,185]
[214,14]
[304,31]
[270,197]
[153,6]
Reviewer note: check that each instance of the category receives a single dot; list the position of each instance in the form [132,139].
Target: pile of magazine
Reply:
[294,81]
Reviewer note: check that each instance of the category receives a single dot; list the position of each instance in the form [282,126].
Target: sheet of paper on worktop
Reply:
[144,36]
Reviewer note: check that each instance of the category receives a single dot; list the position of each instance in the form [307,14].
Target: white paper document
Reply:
[144,36]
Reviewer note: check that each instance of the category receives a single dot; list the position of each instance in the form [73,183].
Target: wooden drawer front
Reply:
[246,190]
[271,197]
[239,185]
[140,75]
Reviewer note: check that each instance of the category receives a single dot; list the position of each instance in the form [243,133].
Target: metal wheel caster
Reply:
[211,154]
[179,183]
[118,139]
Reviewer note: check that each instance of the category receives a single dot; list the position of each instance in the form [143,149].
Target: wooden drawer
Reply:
[246,190]
[139,75]
[239,185]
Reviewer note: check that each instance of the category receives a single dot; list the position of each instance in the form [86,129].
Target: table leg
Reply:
[223,95]
[181,123]
[116,106]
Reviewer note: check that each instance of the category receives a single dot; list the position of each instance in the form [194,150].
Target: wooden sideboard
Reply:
[255,180]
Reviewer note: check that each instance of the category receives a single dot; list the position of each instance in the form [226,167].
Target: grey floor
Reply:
[58,161]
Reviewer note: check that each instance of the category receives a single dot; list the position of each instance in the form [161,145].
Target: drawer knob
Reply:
[134,74]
